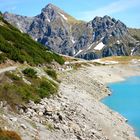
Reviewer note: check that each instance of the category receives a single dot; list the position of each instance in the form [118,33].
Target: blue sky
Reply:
[127,11]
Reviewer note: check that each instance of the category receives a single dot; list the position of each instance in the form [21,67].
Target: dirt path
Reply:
[11,68]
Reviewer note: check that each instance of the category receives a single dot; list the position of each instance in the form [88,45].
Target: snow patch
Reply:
[73,41]
[94,37]
[74,52]
[63,16]
[78,52]
[132,51]
[99,46]
[118,41]
[48,20]
[102,38]
[90,46]
[105,62]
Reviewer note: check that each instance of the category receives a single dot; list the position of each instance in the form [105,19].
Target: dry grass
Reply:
[70,59]
[72,20]
[121,59]
[9,135]
[135,33]
[76,66]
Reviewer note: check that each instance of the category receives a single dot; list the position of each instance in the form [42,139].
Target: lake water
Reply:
[125,99]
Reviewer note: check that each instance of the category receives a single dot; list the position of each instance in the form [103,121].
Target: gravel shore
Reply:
[76,113]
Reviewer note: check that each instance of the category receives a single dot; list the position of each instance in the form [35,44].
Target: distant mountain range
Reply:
[101,37]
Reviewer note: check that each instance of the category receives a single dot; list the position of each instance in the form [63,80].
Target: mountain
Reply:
[101,37]
[21,47]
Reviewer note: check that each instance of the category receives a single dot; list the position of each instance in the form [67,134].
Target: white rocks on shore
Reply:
[76,114]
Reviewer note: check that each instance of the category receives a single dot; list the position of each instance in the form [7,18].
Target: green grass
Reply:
[13,76]
[29,72]
[18,92]
[47,88]
[2,58]
[51,73]
[20,47]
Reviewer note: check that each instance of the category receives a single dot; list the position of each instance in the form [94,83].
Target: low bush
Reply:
[18,92]
[52,73]
[47,88]
[2,58]
[12,76]
[29,72]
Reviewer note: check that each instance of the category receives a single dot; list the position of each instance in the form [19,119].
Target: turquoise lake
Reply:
[125,99]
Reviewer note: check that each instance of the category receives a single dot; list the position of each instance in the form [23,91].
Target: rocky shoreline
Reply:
[76,113]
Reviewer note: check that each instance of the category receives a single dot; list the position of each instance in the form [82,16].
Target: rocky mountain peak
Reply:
[107,27]
[50,6]
[107,22]
[51,12]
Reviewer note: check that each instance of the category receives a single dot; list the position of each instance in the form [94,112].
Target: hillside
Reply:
[21,48]
[101,37]
[24,83]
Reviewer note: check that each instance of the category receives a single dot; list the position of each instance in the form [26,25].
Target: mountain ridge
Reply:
[62,33]
[20,47]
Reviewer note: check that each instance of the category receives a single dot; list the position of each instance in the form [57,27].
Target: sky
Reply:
[128,11]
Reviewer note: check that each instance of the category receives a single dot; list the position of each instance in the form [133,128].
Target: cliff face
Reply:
[101,37]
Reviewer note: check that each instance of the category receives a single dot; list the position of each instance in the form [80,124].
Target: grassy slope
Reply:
[16,91]
[20,47]
[135,33]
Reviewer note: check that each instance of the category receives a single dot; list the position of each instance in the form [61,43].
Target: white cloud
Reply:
[110,9]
